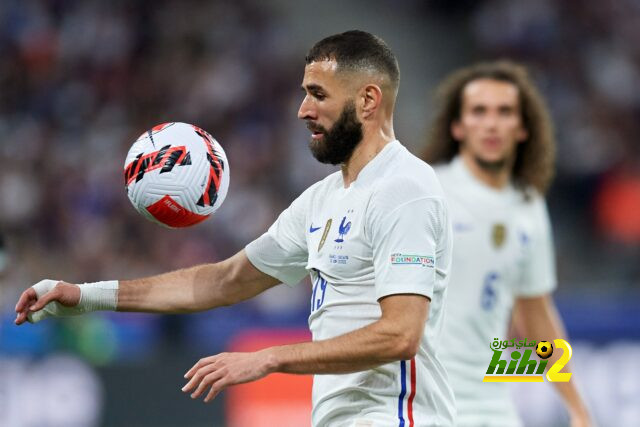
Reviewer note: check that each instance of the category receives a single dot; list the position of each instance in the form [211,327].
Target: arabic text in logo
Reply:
[522,367]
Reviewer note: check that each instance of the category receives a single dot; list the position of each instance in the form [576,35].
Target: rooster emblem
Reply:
[343,229]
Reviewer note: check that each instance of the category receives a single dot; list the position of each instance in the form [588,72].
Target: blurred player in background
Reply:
[493,130]
[375,237]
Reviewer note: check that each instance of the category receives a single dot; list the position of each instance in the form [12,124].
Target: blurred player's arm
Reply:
[182,291]
[395,336]
[537,318]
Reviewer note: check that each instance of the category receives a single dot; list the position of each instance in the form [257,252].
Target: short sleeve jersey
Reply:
[502,250]
[387,233]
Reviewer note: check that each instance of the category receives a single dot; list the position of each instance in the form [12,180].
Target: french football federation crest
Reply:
[327,227]
[343,229]
[498,235]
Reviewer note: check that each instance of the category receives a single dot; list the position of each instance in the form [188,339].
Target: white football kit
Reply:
[387,233]
[502,250]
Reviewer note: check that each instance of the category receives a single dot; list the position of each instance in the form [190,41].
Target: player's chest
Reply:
[499,235]
[337,237]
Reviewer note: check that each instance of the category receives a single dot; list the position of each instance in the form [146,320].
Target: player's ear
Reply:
[371,97]
[523,134]
[457,132]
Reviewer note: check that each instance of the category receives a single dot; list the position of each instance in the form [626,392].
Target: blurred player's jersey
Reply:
[502,250]
[388,233]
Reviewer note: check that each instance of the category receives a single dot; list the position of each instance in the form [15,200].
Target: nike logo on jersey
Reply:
[313,229]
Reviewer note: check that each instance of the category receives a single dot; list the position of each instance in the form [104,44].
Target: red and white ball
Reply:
[176,174]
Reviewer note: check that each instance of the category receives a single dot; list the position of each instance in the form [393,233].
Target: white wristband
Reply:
[98,296]
[93,296]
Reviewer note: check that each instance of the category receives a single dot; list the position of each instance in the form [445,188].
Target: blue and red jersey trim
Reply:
[403,399]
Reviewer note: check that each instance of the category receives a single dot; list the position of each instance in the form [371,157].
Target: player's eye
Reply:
[478,110]
[506,111]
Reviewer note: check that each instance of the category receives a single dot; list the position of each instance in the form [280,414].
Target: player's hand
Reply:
[225,369]
[51,295]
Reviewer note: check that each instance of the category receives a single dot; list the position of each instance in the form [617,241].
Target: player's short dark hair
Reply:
[535,157]
[357,51]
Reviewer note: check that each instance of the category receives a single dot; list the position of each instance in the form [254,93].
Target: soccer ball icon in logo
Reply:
[544,349]
[176,174]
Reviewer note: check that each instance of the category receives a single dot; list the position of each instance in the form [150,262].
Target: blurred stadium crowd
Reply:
[80,80]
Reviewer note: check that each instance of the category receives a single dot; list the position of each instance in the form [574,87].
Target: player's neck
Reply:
[368,148]
[497,179]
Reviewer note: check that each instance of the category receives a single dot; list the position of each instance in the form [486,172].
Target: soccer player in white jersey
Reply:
[375,237]
[493,130]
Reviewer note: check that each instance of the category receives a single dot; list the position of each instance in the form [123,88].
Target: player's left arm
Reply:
[536,317]
[395,336]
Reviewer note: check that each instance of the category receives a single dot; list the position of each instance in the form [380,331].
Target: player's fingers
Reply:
[21,318]
[190,385]
[206,382]
[216,388]
[26,299]
[199,364]
[198,376]
[52,295]
[193,369]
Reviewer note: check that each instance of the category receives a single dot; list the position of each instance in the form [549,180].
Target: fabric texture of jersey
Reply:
[387,233]
[503,249]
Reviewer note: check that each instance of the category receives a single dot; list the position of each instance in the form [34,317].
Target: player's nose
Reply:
[306,110]
[491,121]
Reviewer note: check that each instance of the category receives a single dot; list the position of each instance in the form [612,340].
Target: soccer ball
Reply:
[176,175]
[544,349]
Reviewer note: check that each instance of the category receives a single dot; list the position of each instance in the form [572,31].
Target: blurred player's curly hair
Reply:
[357,51]
[534,165]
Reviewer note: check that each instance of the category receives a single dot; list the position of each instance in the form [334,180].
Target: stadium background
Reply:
[80,80]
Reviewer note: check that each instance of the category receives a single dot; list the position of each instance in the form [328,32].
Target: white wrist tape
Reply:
[99,296]
[93,296]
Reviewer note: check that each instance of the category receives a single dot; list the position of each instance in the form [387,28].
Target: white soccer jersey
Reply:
[388,233]
[502,250]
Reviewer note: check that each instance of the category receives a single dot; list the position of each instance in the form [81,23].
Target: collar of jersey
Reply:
[368,172]
[461,169]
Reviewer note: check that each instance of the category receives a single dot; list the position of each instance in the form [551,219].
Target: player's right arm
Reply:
[188,290]
[198,288]
[282,250]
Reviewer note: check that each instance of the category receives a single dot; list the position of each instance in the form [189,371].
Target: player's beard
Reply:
[337,144]
[492,166]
